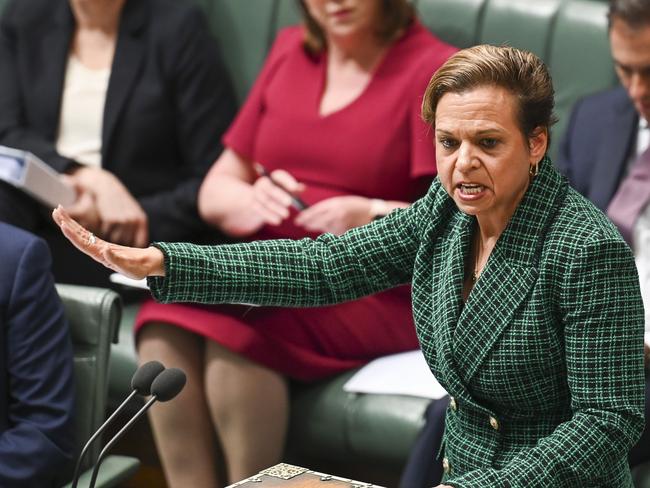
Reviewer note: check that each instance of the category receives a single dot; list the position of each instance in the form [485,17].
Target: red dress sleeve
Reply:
[242,134]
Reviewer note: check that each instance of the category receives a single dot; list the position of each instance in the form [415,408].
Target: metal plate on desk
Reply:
[289,476]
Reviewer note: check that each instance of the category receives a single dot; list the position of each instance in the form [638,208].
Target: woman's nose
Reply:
[465,160]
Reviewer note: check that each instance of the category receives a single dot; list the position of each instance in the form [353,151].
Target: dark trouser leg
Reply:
[423,469]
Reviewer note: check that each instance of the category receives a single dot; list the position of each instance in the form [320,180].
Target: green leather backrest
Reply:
[93,315]
[245,29]
[454,21]
[519,23]
[288,13]
[579,57]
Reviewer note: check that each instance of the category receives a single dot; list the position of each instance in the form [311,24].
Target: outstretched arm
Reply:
[308,272]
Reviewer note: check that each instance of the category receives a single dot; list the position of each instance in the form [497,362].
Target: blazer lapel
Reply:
[610,164]
[446,300]
[54,46]
[509,276]
[129,54]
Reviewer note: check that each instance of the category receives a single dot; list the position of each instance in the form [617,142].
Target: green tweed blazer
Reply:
[545,359]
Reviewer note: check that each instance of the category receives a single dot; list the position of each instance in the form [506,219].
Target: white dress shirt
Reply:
[641,234]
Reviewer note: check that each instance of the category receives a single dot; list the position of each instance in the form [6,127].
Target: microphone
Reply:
[166,386]
[141,385]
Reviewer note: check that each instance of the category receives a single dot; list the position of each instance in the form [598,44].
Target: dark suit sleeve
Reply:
[39,441]
[205,106]
[14,129]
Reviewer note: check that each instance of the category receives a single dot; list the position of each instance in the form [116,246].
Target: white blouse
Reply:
[642,233]
[82,113]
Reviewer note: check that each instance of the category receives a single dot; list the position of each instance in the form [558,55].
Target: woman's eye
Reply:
[489,143]
[447,143]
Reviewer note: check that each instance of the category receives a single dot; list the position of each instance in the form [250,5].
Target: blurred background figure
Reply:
[37,386]
[128,98]
[329,139]
[605,153]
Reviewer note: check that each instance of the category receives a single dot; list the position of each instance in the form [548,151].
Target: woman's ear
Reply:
[537,144]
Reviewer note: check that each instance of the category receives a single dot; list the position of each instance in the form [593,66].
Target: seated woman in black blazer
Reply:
[126,97]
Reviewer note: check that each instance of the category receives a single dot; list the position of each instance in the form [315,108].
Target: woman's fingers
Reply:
[287,182]
[133,262]
[316,212]
[270,201]
[81,238]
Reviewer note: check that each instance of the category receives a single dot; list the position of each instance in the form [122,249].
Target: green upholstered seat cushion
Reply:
[326,419]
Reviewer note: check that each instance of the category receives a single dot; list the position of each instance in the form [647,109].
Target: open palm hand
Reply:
[136,263]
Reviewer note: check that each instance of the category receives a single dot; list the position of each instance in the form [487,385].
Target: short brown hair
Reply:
[396,16]
[520,72]
[635,13]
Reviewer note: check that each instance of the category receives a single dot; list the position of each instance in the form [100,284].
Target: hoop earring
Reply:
[533,170]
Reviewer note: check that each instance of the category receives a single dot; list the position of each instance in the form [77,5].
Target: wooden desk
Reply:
[289,476]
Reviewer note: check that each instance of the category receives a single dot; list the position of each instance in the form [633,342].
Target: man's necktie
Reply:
[631,197]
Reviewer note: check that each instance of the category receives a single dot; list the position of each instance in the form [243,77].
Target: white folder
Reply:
[28,173]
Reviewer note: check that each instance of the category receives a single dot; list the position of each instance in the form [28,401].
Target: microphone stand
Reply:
[117,437]
[77,468]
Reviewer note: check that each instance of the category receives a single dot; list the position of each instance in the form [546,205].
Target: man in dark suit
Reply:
[129,99]
[36,383]
[607,136]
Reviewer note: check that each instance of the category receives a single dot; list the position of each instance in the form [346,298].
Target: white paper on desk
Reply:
[120,279]
[405,373]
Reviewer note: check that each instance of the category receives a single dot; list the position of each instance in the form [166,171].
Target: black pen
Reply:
[296,202]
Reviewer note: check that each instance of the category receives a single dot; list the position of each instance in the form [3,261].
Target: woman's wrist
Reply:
[156,262]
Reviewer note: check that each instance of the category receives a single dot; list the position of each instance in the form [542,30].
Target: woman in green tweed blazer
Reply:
[525,297]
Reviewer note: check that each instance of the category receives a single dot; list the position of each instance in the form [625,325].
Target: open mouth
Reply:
[471,188]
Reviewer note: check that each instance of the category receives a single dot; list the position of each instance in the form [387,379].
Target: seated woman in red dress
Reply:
[333,122]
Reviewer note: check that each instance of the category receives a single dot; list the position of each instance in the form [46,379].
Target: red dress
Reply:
[377,147]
